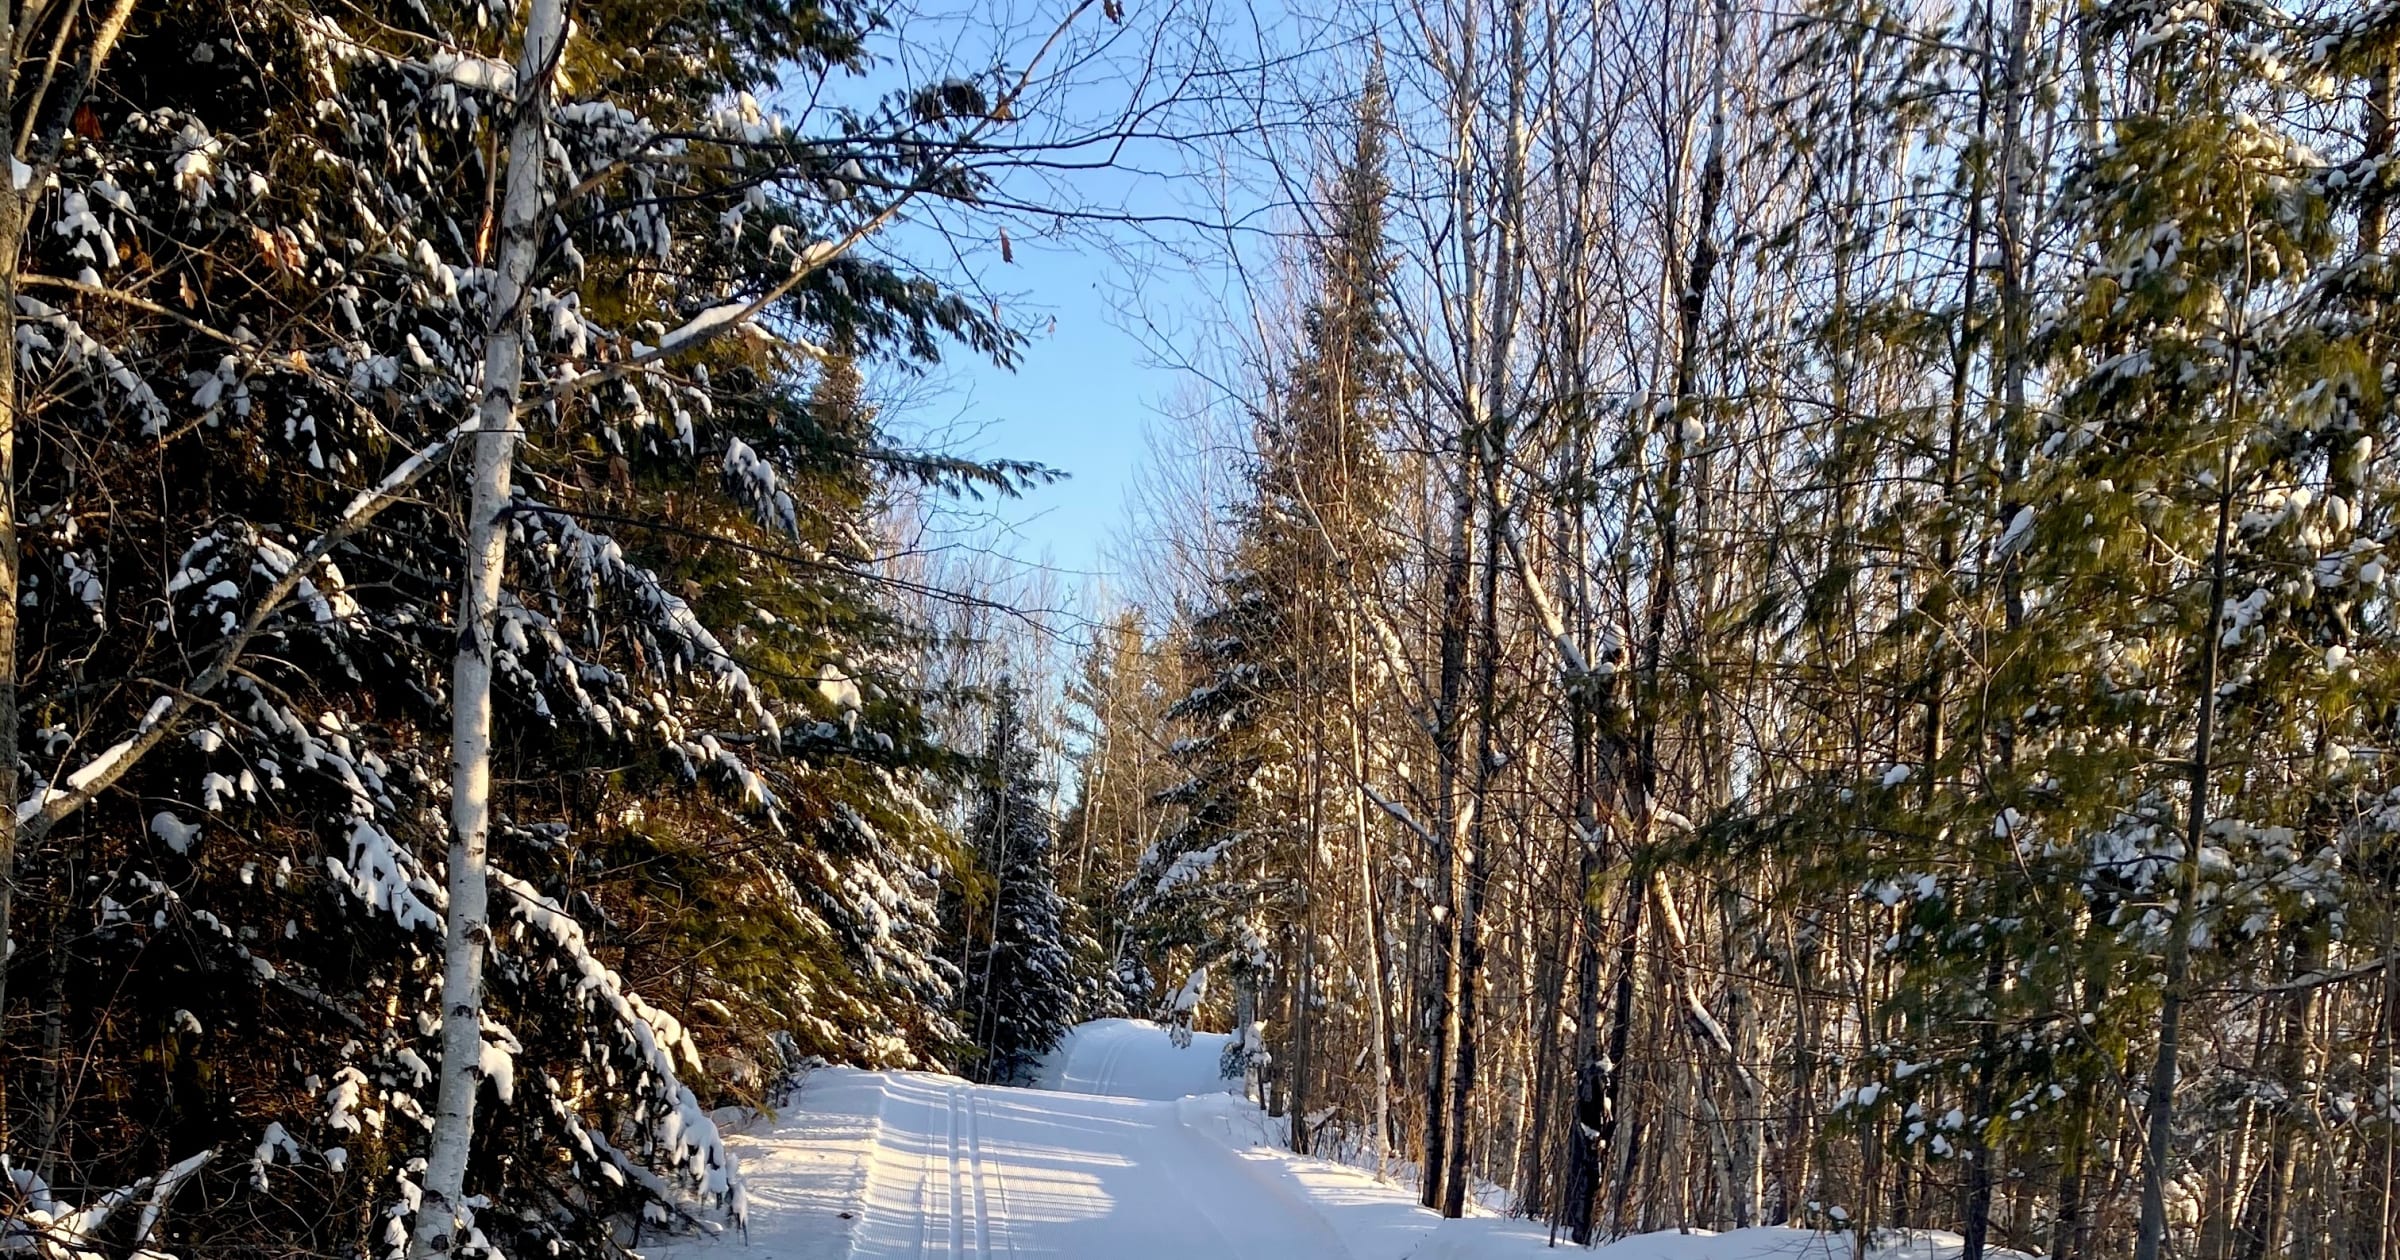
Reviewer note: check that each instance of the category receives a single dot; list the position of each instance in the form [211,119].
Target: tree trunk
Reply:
[1371,936]
[1443,1012]
[2262,1232]
[467,929]
[14,207]
[2159,1121]
[1532,1183]
[1620,1038]
[1477,859]
[1591,1114]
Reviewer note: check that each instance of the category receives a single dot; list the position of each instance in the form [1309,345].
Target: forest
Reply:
[1749,615]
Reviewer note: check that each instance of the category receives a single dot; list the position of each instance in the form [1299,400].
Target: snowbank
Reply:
[1380,1220]
[1784,1244]
[1134,1058]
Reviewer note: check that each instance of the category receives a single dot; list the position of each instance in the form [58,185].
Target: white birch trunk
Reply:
[467,929]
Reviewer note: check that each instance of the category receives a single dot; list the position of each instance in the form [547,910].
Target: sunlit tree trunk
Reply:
[467,926]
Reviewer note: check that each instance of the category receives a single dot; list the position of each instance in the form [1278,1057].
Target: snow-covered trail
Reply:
[916,1166]
[980,1171]
[1134,1058]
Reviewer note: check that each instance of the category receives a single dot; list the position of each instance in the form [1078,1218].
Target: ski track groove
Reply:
[978,1202]
[958,1207]
[1154,1162]
[1007,1218]
[1116,1056]
[924,1201]
[1110,1055]
[987,1180]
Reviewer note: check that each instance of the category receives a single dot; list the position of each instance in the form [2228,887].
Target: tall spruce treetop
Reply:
[1311,538]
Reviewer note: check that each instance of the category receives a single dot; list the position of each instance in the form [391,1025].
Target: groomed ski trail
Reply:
[1163,1164]
[1134,1058]
[916,1166]
[979,1172]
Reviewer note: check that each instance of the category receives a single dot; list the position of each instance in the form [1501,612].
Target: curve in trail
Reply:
[1134,1058]
[1252,1213]
[1106,1080]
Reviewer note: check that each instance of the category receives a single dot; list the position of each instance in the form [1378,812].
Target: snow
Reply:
[899,1165]
[481,74]
[98,768]
[1134,1058]
[755,482]
[175,833]
[194,162]
[706,324]
[2013,538]
[841,691]
[1782,1244]
[928,1165]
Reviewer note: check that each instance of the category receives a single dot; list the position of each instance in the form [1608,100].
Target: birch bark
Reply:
[442,1210]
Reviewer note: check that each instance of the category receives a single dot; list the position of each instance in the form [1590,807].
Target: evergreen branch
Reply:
[715,321]
[819,563]
[40,813]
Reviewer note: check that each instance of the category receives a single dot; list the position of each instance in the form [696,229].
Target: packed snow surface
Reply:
[1134,1058]
[906,1166]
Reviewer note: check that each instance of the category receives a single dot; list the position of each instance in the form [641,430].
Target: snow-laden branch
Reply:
[43,810]
[462,67]
[707,324]
[1571,661]
[1696,1012]
[598,563]
[1399,813]
[123,298]
[683,1132]
[49,1228]
[815,257]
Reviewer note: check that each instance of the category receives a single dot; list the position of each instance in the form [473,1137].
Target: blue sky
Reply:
[1089,387]
[1079,402]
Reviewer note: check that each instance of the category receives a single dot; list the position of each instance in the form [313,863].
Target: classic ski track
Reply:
[988,1185]
[925,1204]
[961,1204]
[1116,1060]
[1106,1070]
[978,1204]
[965,1139]
[1071,1176]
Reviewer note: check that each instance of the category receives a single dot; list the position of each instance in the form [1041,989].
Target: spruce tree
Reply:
[1022,983]
[1275,728]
